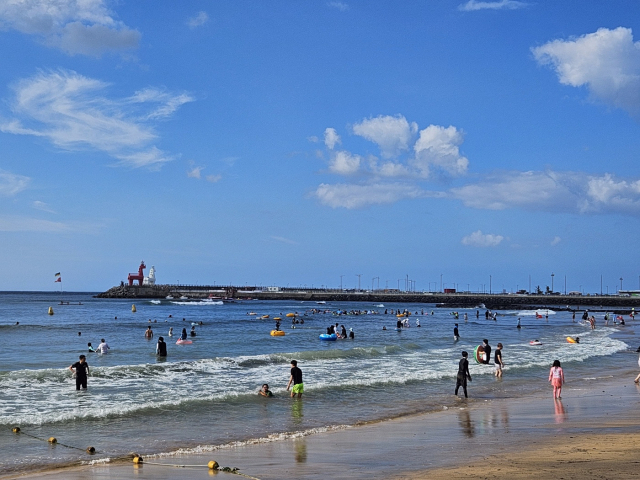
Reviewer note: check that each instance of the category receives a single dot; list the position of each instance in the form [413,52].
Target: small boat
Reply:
[169,297]
[321,302]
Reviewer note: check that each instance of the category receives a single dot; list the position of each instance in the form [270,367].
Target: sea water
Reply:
[203,396]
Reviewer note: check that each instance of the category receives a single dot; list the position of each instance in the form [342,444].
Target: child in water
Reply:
[556,377]
[264,391]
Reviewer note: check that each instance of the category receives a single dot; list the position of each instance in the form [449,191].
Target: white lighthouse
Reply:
[151,279]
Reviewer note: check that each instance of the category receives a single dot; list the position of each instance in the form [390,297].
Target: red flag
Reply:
[59,279]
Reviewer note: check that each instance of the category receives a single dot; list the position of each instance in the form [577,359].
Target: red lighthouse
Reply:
[140,276]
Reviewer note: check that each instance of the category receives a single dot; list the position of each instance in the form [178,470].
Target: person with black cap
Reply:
[456,334]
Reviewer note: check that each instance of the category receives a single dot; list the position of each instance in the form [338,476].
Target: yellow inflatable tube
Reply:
[277,333]
[571,340]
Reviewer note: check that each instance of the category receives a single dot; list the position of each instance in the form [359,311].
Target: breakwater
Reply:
[495,301]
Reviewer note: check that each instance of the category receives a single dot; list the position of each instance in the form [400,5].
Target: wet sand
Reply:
[593,432]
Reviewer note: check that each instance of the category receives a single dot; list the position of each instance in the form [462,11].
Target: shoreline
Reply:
[444,443]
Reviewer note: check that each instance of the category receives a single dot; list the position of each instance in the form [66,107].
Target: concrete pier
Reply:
[450,300]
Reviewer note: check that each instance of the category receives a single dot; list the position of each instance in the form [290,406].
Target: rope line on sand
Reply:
[137,459]
[212,465]
[53,441]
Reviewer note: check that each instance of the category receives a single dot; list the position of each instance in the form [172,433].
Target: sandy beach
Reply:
[593,432]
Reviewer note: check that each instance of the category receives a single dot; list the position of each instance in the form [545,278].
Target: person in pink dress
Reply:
[556,377]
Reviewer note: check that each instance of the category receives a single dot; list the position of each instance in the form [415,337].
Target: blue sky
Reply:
[290,143]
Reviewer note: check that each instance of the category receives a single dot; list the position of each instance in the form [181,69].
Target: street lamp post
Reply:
[620,283]
[552,275]
[341,282]
[441,291]
[358,275]
[489,284]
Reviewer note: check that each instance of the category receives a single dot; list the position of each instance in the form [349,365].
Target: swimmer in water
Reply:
[518,326]
[183,336]
[91,349]
[264,391]
[456,334]
[148,332]
[103,347]
[161,348]
[171,331]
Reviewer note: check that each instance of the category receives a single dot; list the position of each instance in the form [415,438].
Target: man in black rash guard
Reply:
[463,374]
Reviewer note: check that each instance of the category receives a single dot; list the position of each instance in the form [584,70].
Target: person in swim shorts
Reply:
[295,380]
[498,360]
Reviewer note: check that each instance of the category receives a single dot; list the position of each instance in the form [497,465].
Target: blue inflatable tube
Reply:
[327,337]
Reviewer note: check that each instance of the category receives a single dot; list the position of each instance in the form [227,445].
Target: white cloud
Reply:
[12,184]
[436,150]
[439,147]
[343,7]
[536,190]
[284,240]
[38,205]
[194,172]
[313,139]
[213,178]
[331,138]
[607,62]
[358,196]
[345,163]
[167,103]
[392,134]
[84,27]
[473,5]
[200,19]
[556,240]
[391,169]
[26,224]
[72,112]
[479,239]
[560,192]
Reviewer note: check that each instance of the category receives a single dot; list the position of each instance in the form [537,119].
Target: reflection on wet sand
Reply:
[296,411]
[485,422]
[464,418]
[300,446]
[561,414]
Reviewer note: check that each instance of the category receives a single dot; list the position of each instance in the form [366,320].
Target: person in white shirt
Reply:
[103,347]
